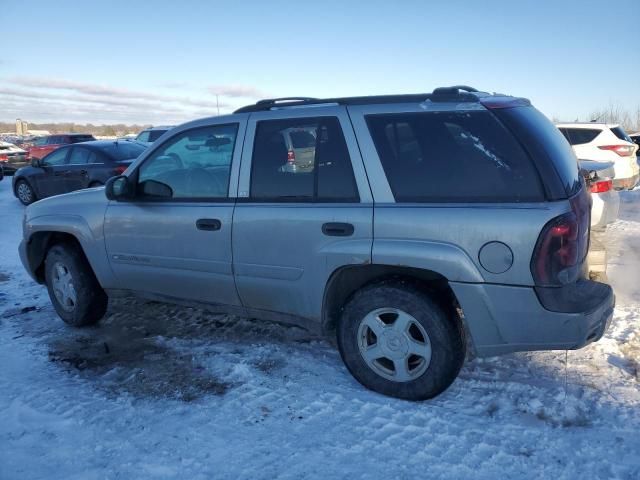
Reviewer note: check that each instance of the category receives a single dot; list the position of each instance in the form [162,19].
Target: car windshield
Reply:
[123,150]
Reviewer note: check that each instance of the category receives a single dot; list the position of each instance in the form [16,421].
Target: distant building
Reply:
[22,127]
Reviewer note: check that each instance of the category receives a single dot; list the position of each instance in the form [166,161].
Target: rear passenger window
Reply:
[580,136]
[302,159]
[80,156]
[453,157]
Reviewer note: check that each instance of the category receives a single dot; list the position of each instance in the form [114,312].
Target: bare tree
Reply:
[614,113]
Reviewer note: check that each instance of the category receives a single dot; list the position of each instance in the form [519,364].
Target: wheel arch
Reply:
[46,231]
[347,280]
[26,180]
[40,243]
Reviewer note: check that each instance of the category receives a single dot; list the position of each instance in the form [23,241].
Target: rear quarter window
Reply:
[453,157]
[552,154]
[621,134]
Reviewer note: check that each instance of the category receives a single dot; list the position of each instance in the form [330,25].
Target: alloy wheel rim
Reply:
[63,288]
[24,192]
[394,344]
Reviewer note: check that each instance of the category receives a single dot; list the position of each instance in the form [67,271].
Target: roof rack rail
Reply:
[454,90]
[273,101]
[269,103]
[457,93]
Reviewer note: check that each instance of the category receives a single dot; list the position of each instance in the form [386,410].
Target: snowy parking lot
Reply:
[159,391]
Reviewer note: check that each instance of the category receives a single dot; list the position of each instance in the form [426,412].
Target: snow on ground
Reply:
[158,391]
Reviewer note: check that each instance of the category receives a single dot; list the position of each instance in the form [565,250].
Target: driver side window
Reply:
[57,157]
[193,164]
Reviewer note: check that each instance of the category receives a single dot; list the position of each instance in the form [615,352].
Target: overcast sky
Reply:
[163,62]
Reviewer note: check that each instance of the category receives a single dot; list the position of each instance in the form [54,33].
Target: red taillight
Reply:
[562,245]
[601,186]
[291,156]
[622,150]
[3,158]
[120,169]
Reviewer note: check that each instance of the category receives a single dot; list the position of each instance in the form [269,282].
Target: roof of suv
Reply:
[457,93]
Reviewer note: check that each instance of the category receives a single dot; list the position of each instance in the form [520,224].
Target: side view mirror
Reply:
[118,188]
[36,163]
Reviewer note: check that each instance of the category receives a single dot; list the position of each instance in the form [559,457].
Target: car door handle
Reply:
[209,224]
[337,229]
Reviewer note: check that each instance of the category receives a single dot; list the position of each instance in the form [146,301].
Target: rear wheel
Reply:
[396,340]
[73,289]
[25,193]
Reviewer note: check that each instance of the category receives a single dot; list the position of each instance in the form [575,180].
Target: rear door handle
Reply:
[209,224]
[337,229]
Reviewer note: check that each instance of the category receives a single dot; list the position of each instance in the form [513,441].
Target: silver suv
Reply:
[425,225]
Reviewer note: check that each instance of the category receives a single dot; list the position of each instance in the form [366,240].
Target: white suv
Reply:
[602,142]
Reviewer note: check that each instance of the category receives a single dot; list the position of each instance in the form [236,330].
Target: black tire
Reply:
[90,302]
[445,337]
[25,192]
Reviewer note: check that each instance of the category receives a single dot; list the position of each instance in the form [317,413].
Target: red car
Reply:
[45,145]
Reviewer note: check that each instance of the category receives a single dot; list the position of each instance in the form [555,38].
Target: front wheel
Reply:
[25,193]
[396,340]
[73,289]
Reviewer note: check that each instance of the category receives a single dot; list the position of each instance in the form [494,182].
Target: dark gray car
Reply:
[426,223]
[74,167]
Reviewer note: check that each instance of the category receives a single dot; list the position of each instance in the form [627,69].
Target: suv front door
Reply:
[174,238]
[295,224]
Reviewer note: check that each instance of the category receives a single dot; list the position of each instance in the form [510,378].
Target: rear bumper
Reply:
[626,183]
[503,319]
[604,209]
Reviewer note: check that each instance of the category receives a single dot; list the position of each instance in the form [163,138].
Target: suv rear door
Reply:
[179,245]
[294,226]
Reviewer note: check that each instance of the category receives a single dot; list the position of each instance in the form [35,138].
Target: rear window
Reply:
[453,157]
[81,138]
[621,134]
[123,150]
[580,136]
[302,139]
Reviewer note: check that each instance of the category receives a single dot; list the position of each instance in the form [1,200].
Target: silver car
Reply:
[429,224]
